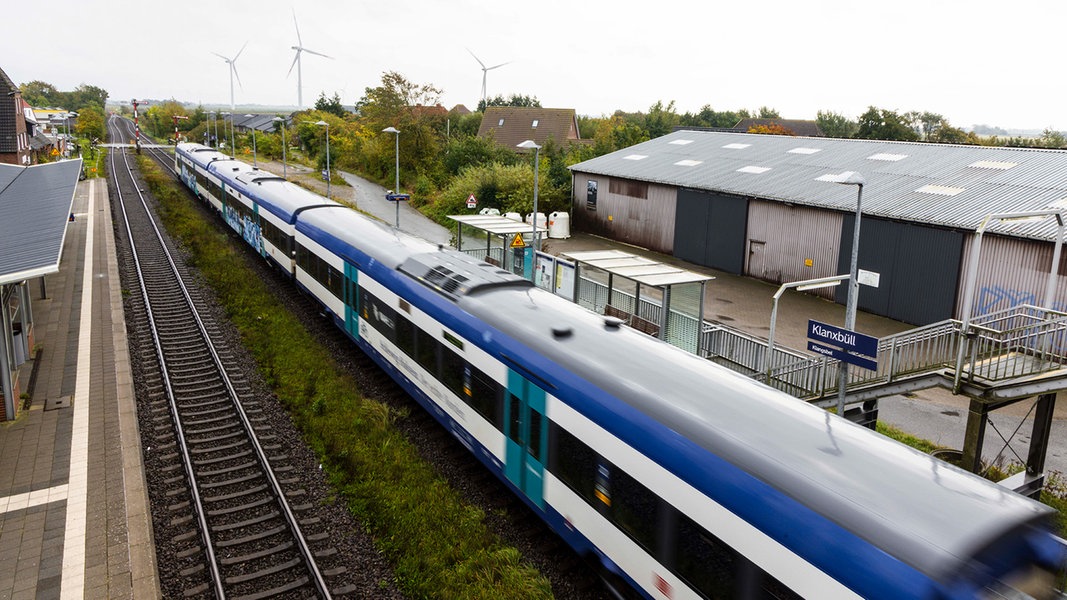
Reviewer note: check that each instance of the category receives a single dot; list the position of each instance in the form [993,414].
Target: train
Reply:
[674,477]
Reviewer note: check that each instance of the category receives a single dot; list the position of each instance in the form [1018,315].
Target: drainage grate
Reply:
[54,403]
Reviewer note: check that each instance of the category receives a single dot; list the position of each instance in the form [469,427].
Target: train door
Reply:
[527,436]
[351,293]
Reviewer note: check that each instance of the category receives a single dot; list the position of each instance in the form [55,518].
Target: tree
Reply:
[772,129]
[514,100]
[332,105]
[90,124]
[708,117]
[410,108]
[39,93]
[836,125]
[661,120]
[882,124]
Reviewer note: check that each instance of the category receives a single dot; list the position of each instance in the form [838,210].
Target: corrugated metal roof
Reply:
[34,205]
[785,168]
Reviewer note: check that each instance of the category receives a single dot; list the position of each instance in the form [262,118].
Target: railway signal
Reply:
[136,127]
[176,118]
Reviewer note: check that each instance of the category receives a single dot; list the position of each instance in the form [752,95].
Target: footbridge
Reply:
[995,360]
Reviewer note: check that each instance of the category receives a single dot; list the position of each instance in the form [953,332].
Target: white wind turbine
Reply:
[485,71]
[299,47]
[232,62]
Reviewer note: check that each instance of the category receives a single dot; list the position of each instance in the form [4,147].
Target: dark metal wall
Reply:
[710,229]
[919,267]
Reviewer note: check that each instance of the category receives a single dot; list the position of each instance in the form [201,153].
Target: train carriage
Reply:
[194,163]
[682,479]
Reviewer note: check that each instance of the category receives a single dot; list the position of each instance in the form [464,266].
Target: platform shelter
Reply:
[35,207]
[498,240]
[659,299]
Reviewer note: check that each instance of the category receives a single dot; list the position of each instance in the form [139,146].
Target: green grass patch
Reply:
[438,545]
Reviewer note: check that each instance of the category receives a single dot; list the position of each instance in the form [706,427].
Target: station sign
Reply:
[398,197]
[852,347]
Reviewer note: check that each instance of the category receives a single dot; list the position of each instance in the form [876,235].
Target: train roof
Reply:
[922,510]
[331,227]
[279,196]
[203,155]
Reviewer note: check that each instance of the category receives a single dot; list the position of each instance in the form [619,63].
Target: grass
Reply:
[438,545]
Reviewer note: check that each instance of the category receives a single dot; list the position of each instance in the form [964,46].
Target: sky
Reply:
[972,61]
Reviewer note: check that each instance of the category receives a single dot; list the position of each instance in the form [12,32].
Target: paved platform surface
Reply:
[74,517]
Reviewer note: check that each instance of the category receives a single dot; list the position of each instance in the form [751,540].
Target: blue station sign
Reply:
[851,347]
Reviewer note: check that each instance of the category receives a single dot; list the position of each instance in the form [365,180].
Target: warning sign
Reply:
[472,201]
[517,242]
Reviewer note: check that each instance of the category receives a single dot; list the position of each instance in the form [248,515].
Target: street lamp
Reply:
[537,171]
[233,150]
[849,178]
[280,122]
[801,286]
[396,189]
[321,123]
[255,162]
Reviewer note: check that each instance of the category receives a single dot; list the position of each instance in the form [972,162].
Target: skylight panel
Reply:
[993,164]
[753,169]
[737,146]
[803,150]
[680,142]
[940,190]
[535,123]
[1058,204]
[887,157]
[635,156]
[688,163]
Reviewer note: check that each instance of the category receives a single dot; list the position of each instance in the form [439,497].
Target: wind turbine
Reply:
[485,71]
[233,73]
[299,47]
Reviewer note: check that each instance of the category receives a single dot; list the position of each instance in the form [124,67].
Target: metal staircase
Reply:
[1016,352]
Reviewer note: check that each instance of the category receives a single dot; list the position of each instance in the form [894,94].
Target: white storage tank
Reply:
[542,220]
[489,211]
[514,216]
[559,225]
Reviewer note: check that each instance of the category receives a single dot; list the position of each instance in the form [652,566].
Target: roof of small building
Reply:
[953,186]
[789,126]
[512,125]
[34,205]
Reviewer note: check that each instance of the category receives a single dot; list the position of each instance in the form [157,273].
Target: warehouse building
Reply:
[762,206]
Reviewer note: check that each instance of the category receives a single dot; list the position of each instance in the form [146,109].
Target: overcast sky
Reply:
[973,61]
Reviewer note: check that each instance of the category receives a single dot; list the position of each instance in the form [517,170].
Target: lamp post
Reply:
[801,286]
[215,119]
[537,171]
[233,150]
[324,123]
[849,178]
[280,122]
[255,161]
[396,189]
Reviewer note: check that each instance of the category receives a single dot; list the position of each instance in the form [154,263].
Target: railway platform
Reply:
[74,514]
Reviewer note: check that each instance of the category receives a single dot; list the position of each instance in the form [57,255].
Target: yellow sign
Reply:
[517,242]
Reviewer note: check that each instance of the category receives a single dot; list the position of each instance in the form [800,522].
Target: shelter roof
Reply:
[638,268]
[34,205]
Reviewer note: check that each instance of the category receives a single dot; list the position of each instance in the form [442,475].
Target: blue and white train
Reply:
[678,478]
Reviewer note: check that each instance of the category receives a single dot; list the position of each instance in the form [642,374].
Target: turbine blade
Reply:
[476,58]
[498,66]
[221,56]
[237,75]
[316,53]
[298,40]
[239,52]
[295,58]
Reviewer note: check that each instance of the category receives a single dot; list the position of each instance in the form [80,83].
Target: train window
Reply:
[515,422]
[335,281]
[573,462]
[452,366]
[405,335]
[380,316]
[772,589]
[633,508]
[534,447]
[703,560]
[426,351]
[487,397]
[302,255]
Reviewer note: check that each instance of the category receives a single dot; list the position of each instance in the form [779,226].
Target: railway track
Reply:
[235,531]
